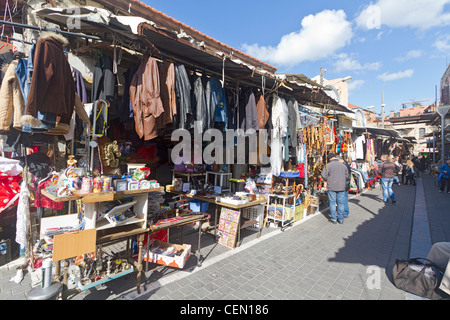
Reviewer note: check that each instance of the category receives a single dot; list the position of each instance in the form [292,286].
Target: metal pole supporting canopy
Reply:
[443,110]
[67,33]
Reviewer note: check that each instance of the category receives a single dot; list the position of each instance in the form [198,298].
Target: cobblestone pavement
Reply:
[313,260]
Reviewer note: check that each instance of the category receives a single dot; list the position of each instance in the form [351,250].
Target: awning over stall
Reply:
[378,131]
[174,40]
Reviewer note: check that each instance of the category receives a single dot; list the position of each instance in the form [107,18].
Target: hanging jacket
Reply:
[126,110]
[251,114]
[24,71]
[82,95]
[145,98]
[216,103]
[104,86]
[52,88]
[5,59]
[12,103]
[168,97]
[199,103]
[183,96]
[293,125]
[262,109]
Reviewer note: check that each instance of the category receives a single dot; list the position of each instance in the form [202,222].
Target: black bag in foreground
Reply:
[421,279]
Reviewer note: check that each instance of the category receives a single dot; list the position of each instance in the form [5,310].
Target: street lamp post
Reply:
[382,111]
[442,110]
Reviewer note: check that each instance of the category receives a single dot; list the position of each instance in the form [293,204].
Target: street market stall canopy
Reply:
[173,40]
[378,131]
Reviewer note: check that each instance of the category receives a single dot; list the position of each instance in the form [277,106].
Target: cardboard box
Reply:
[176,262]
[299,212]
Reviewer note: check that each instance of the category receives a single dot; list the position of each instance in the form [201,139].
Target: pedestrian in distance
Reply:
[335,174]
[416,163]
[396,178]
[410,171]
[388,171]
[445,178]
[347,185]
[374,176]
[403,170]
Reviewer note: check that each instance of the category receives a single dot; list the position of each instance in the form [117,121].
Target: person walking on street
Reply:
[388,171]
[416,164]
[335,174]
[347,185]
[410,173]
[374,176]
[396,178]
[403,169]
[445,179]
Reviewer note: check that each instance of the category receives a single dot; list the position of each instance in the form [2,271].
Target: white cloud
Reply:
[443,43]
[413,54]
[355,85]
[416,14]
[346,63]
[320,36]
[396,76]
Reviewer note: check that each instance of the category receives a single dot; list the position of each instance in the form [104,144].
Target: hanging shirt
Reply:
[359,147]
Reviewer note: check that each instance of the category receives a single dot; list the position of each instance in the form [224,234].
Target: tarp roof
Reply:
[190,47]
[378,131]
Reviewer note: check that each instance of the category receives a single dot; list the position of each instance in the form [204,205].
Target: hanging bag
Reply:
[421,279]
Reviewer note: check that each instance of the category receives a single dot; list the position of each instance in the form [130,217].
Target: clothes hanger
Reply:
[14,49]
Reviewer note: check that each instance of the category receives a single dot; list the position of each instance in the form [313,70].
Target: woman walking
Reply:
[445,179]
[410,173]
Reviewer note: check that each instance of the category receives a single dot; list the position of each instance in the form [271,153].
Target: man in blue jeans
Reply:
[388,171]
[335,174]
[347,184]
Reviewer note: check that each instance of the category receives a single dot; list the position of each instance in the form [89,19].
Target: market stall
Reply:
[103,158]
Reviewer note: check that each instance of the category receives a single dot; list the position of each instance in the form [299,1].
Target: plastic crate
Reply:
[5,252]
[254,213]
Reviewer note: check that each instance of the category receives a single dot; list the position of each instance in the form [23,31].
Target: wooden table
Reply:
[126,232]
[116,233]
[180,223]
[212,199]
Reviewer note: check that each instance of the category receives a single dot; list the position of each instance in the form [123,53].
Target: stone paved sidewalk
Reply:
[313,260]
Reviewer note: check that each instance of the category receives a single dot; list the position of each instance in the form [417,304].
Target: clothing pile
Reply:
[10,177]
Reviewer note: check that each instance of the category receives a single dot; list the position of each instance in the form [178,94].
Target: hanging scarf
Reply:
[23,215]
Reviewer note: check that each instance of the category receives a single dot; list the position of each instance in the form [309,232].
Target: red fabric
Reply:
[301,169]
[42,201]
[148,152]
[9,188]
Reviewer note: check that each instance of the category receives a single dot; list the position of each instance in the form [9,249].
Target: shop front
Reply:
[149,132]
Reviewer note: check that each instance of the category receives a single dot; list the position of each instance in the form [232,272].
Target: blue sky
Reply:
[401,47]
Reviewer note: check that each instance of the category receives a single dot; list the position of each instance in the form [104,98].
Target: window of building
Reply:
[422,133]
